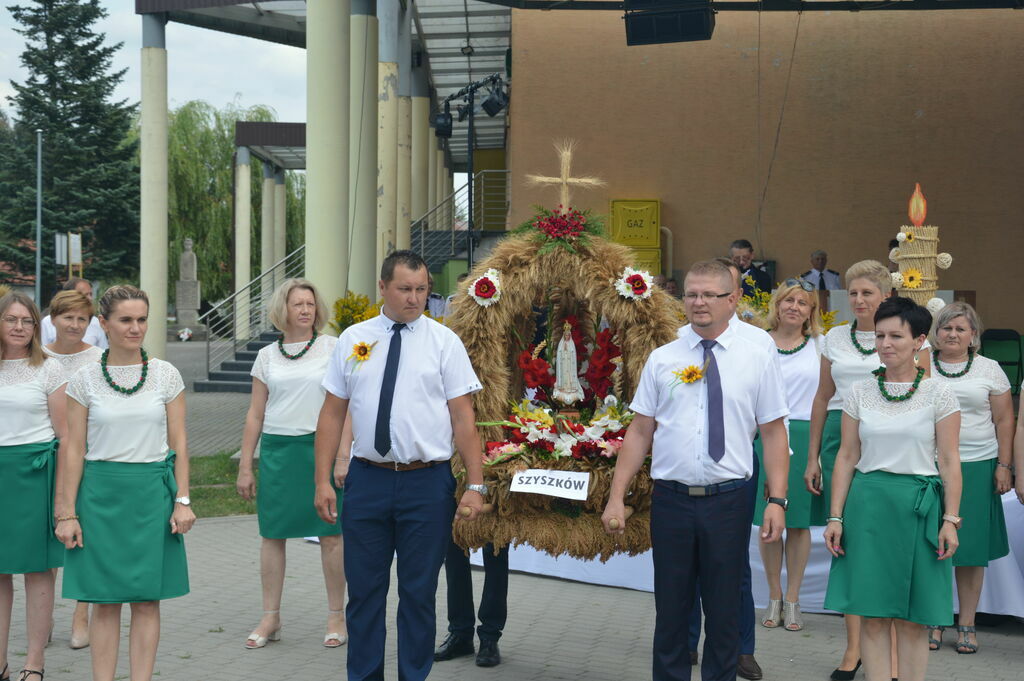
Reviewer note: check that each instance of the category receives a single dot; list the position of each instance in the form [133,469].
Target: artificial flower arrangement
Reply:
[564,227]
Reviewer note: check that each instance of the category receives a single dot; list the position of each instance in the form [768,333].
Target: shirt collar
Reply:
[693,339]
[387,322]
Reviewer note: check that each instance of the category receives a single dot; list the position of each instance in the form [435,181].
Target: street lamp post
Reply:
[39,218]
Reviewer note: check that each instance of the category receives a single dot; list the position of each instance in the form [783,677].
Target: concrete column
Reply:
[431,163]
[267,224]
[280,220]
[404,183]
[387,128]
[243,239]
[362,275]
[327,145]
[153,181]
[422,136]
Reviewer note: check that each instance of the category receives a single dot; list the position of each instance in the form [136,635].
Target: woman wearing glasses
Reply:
[32,404]
[848,355]
[986,455]
[796,330]
[125,505]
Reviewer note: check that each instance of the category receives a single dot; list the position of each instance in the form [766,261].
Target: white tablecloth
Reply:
[1003,593]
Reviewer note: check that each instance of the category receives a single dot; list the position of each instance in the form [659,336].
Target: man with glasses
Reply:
[741,252]
[700,436]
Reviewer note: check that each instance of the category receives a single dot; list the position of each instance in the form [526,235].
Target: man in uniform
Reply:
[408,382]
[741,252]
[819,275]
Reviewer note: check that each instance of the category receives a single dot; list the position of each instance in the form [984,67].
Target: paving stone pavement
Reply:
[557,630]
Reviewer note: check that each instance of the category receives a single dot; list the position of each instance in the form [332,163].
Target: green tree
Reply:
[201,178]
[90,171]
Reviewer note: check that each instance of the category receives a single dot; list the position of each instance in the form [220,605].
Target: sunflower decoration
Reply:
[361,352]
[690,374]
[905,237]
[912,278]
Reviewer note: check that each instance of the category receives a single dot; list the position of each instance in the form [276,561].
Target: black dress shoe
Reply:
[747,668]
[845,674]
[693,658]
[488,655]
[452,647]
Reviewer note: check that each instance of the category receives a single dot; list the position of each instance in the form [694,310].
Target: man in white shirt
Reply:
[700,436]
[93,334]
[408,382]
[819,275]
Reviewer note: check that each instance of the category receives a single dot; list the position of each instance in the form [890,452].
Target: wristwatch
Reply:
[955,520]
[781,501]
[184,501]
[480,489]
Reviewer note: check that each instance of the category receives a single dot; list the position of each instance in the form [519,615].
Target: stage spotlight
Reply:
[495,101]
[650,22]
[443,122]
[463,112]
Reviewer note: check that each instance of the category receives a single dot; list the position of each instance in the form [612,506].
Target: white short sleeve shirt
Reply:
[434,367]
[71,363]
[973,390]
[24,400]
[801,371]
[752,395]
[126,428]
[93,334]
[294,390]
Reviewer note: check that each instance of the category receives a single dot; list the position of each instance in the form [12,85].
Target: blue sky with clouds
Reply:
[201,64]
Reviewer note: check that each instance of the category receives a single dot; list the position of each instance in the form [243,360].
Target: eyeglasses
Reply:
[27,322]
[705,296]
[805,285]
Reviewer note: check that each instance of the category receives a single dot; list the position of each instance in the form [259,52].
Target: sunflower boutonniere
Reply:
[361,352]
[690,374]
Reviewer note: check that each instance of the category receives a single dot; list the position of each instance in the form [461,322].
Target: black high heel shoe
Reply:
[844,675]
[6,676]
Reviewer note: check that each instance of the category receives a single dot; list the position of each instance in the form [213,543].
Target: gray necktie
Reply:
[716,424]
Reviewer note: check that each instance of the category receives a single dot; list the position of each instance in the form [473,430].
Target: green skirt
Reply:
[890,536]
[26,509]
[983,537]
[284,497]
[798,515]
[831,437]
[129,553]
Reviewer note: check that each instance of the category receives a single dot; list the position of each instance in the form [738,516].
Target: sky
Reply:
[218,68]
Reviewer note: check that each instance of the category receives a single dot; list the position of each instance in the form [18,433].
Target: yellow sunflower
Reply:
[690,374]
[361,351]
[912,278]
[910,237]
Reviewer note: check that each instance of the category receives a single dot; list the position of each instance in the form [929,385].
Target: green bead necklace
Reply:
[300,353]
[121,389]
[880,373]
[860,348]
[794,350]
[955,374]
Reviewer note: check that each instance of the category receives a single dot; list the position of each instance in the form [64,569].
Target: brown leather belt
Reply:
[396,466]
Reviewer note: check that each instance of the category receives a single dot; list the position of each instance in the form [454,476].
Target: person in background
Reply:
[672,288]
[741,252]
[93,334]
[819,276]
[458,284]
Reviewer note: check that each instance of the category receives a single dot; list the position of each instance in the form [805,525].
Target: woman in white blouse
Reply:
[796,330]
[848,355]
[125,504]
[32,404]
[71,315]
[893,521]
[986,456]
[286,400]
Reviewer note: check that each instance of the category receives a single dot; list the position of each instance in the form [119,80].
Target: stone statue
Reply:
[187,292]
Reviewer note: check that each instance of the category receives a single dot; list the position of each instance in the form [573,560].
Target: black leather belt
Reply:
[703,490]
[395,466]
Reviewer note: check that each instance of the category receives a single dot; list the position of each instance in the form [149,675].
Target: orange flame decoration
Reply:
[918,206]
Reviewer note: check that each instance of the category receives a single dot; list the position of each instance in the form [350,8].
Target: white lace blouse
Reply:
[75,361]
[295,393]
[800,373]
[973,390]
[849,365]
[126,428]
[24,391]
[899,437]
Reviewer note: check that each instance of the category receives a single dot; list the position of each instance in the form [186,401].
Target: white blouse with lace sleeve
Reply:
[24,394]
[75,361]
[974,391]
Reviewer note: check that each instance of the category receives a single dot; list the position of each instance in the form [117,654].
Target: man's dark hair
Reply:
[894,243]
[918,318]
[72,282]
[410,259]
[742,243]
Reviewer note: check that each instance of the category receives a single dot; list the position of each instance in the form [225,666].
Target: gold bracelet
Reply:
[66,517]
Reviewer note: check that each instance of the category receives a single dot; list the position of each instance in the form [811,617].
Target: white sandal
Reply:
[791,615]
[256,641]
[334,639]
[772,614]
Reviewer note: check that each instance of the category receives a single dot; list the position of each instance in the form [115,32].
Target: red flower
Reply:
[484,288]
[637,283]
[544,445]
[587,449]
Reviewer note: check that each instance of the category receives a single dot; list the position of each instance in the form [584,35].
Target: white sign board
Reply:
[60,248]
[564,484]
[75,248]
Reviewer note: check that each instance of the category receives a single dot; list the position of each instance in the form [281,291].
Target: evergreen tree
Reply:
[90,169]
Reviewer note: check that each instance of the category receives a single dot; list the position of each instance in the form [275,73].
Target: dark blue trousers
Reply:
[747,640]
[388,512]
[493,600]
[698,539]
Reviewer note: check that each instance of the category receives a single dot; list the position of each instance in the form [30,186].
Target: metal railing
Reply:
[242,316]
[451,215]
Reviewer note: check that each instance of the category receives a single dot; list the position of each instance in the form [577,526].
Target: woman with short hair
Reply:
[32,404]
[125,504]
[71,315]
[986,457]
[795,326]
[893,517]
[286,400]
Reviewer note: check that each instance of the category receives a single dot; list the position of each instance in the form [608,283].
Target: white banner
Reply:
[75,248]
[564,484]
[60,248]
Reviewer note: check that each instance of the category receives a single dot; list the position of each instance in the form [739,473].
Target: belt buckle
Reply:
[694,491]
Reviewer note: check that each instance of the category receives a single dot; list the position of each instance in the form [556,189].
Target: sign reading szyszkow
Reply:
[564,484]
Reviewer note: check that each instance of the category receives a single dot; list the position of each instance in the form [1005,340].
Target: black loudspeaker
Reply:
[662,21]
